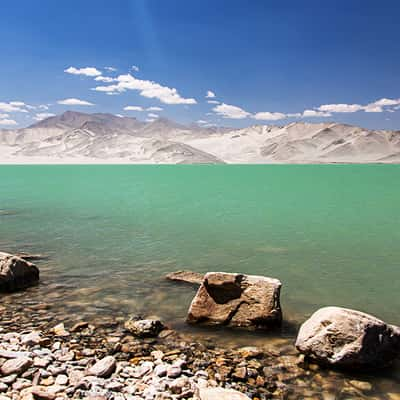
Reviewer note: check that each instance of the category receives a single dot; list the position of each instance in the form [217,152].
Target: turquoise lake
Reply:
[330,233]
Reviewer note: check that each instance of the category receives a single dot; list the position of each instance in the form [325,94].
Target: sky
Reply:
[212,62]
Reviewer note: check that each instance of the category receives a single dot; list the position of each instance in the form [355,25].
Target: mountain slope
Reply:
[105,138]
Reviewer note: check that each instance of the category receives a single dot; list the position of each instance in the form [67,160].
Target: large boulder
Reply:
[16,273]
[348,338]
[237,300]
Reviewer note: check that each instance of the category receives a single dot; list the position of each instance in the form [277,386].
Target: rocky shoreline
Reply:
[109,362]
[119,358]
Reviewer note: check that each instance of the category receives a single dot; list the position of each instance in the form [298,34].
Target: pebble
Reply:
[61,380]
[174,371]
[361,385]
[41,362]
[16,366]
[59,330]
[31,339]
[221,394]
[110,363]
[160,370]
[103,368]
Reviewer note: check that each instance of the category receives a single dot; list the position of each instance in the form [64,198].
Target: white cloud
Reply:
[150,120]
[151,115]
[229,111]
[43,107]
[201,122]
[119,115]
[105,79]
[325,110]
[372,108]
[340,108]
[74,102]
[154,109]
[13,106]
[386,102]
[314,113]
[210,94]
[8,122]
[375,107]
[88,71]
[41,116]
[135,68]
[212,101]
[111,69]
[269,116]
[147,89]
[18,103]
[133,108]
[2,116]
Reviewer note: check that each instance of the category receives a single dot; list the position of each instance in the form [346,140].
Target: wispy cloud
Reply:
[315,113]
[376,107]
[105,79]
[210,94]
[133,108]
[152,115]
[387,102]
[75,102]
[147,89]
[269,116]
[135,68]
[323,111]
[111,69]
[231,112]
[41,116]
[154,109]
[14,106]
[212,102]
[340,108]
[8,122]
[87,71]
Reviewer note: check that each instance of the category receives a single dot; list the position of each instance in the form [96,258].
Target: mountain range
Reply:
[74,137]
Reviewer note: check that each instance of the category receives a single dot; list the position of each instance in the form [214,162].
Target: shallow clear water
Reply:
[330,233]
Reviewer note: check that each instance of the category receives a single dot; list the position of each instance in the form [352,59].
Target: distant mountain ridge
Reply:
[74,137]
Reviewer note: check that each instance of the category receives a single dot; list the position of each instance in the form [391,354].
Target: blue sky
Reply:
[266,62]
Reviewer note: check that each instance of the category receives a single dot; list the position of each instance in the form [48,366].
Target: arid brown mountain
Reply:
[105,138]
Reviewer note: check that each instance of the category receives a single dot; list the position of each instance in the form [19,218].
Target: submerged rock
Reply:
[144,327]
[348,338]
[237,300]
[193,278]
[16,273]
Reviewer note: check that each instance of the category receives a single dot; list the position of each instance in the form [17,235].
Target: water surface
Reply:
[330,233]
